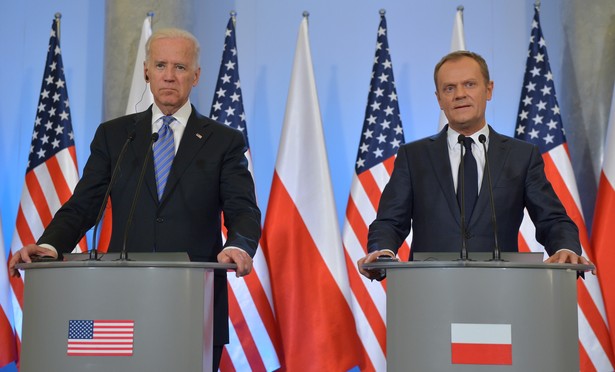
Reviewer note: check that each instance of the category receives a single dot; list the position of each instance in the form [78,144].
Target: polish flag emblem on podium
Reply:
[481,344]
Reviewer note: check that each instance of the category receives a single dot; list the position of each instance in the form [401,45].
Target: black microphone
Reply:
[461,191]
[130,138]
[124,253]
[496,248]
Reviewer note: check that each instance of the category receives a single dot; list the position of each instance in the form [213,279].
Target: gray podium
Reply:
[169,304]
[441,312]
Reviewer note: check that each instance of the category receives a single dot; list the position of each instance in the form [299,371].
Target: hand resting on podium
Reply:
[373,257]
[28,254]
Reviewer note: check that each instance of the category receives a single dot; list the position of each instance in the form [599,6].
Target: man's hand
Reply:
[239,257]
[26,253]
[566,256]
[373,274]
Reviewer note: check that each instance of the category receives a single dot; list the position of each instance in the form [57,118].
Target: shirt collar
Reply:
[453,135]
[181,116]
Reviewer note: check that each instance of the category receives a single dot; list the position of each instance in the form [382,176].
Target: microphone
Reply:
[461,191]
[124,253]
[130,138]
[496,248]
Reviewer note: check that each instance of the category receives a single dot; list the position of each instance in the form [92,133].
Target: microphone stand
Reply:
[130,138]
[124,253]
[461,189]
[496,248]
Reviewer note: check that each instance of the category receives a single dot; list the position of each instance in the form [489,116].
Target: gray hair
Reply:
[174,33]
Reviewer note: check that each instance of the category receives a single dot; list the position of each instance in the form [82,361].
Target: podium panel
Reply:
[472,317]
[68,307]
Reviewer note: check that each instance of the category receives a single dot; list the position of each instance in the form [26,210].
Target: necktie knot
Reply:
[467,143]
[167,120]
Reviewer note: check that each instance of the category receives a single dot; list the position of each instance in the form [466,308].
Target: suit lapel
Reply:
[438,153]
[194,137]
[499,146]
[143,130]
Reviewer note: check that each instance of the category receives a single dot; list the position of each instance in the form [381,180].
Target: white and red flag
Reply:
[539,122]
[301,238]
[51,173]
[139,99]
[481,344]
[254,337]
[381,136]
[458,42]
[604,224]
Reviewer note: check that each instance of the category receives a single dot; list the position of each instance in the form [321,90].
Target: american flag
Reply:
[254,337]
[8,342]
[51,173]
[100,337]
[539,122]
[381,137]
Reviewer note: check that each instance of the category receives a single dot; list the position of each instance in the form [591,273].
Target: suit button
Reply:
[468,235]
[160,220]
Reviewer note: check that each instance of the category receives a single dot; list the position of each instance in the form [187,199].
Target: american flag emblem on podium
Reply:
[100,337]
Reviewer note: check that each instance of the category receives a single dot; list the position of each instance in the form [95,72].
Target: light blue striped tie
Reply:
[164,152]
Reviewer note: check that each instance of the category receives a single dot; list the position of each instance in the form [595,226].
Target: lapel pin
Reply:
[199,135]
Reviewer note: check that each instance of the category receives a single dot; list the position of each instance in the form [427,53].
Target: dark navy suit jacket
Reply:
[209,175]
[420,196]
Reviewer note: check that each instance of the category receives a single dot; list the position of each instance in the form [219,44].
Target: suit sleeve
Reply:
[241,213]
[393,221]
[78,214]
[554,229]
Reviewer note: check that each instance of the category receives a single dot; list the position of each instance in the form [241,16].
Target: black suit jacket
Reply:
[421,195]
[209,175]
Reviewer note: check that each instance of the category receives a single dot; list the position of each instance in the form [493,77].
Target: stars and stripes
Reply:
[100,337]
[381,136]
[51,173]
[8,341]
[254,338]
[539,122]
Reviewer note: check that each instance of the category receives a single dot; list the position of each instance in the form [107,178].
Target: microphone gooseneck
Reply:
[124,253]
[94,251]
[461,191]
[496,248]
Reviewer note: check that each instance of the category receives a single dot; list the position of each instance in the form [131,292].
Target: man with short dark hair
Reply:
[423,193]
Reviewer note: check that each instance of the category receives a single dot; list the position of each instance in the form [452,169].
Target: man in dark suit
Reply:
[422,192]
[179,207]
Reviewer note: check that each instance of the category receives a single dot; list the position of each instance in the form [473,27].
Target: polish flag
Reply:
[604,225]
[481,344]
[301,237]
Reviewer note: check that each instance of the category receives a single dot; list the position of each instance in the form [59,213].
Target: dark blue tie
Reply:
[164,152]
[471,179]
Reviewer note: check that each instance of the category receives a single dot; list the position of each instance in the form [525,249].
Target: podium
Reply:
[118,315]
[481,316]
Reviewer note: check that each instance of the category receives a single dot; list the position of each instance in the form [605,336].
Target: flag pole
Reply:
[460,8]
[537,4]
[306,14]
[58,16]
[233,16]
[382,12]
[150,14]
